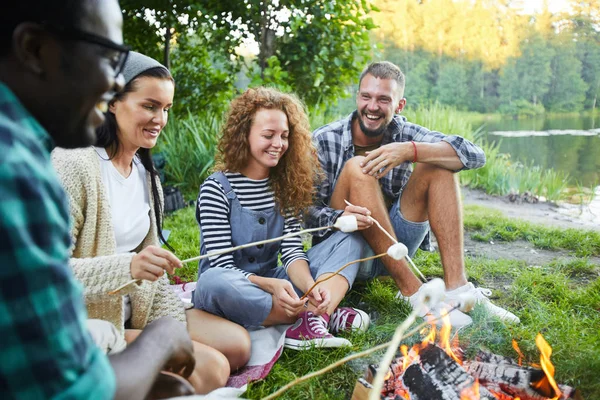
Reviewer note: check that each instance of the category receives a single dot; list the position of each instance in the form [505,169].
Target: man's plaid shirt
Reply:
[334,146]
[46,351]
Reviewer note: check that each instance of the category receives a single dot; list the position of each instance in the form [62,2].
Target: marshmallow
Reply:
[466,302]
[346,223]
[397,251]
[432,292]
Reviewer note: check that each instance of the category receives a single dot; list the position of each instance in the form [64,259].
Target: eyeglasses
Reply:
[117,60]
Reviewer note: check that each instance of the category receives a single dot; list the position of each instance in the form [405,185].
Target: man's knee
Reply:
[353,170]
[430,173]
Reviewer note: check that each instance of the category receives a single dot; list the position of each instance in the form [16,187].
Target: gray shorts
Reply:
[408,232]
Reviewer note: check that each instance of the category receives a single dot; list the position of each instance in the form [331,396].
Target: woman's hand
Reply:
[286,297]
[152,262]
[320,298]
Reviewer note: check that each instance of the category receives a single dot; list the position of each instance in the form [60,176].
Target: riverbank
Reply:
[561,214]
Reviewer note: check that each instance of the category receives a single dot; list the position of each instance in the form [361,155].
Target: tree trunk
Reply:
[167,49]
[267,37]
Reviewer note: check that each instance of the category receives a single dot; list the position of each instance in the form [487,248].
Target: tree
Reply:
[452,87]
[567,89]
[320,45]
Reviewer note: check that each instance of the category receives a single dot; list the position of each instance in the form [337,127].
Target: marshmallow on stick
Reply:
[346,224]
[396,242]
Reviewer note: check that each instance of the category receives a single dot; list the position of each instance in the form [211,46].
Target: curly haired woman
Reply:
[266,167]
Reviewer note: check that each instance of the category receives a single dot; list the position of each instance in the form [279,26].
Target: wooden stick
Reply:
[384,365]
[338,271]
[230,250]
[245,246]
[344,360]
[393,241]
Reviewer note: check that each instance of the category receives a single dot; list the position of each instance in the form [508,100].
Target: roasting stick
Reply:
[395,242]
[344,224]
[340,270]
[463,306]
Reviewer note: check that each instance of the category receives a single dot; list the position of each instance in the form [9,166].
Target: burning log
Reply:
[503,375]
[447,374]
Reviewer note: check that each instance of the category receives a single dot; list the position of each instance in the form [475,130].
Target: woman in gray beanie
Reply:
[116,208]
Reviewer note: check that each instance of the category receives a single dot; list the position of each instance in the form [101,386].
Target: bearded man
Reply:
[404,176]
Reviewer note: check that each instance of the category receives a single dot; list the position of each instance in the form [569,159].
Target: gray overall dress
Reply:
[229,294]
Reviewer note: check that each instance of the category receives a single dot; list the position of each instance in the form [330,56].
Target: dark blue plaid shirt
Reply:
[334,146]
[46,350]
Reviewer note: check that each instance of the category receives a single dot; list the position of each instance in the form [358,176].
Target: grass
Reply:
[550,298]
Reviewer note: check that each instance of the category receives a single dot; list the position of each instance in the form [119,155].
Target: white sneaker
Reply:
[481,296]
[458,319]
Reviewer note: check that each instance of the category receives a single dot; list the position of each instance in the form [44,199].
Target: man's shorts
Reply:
[407,232]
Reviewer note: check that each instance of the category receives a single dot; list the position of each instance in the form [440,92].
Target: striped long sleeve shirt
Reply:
[252,194]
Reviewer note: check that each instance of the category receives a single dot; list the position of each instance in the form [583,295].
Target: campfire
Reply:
[435,369]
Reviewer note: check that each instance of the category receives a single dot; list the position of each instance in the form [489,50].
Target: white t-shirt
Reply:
[129,202]
[129,206]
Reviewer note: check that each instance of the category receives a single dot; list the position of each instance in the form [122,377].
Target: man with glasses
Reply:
[60,63]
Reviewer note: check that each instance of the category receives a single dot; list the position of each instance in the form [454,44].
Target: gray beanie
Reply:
[137,63]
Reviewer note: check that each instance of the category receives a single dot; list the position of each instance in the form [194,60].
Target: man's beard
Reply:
[371,132]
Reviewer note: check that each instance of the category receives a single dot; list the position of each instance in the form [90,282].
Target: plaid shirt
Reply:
[335,147]
[46,350]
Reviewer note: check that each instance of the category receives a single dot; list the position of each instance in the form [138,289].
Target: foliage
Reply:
[559,299]
[188,145]
[521,108]
[314,47]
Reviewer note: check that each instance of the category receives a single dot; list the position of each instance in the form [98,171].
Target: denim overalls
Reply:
[231,295]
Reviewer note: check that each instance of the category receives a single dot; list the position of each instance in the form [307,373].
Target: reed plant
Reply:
[188,145]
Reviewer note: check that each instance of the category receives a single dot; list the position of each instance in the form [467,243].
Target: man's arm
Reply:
[163,345]
[451,152]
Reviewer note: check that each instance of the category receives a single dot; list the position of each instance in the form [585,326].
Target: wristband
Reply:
[415,151]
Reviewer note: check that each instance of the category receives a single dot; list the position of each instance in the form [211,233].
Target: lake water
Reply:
[567,144]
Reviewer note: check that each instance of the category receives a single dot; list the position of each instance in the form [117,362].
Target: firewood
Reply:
[447,373]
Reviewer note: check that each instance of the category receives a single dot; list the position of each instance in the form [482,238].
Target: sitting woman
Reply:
[116,208]
[267,167]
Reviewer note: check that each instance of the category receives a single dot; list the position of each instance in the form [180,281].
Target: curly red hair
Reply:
[293,178]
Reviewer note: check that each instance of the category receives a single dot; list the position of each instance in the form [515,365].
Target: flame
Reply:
[471,392]
[445,337]
[547,367]
[518,350]
[404,351]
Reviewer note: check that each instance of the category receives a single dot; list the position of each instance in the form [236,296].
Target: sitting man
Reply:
[367,159]
[59,62]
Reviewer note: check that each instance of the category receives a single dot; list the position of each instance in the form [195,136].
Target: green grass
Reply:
[560,299]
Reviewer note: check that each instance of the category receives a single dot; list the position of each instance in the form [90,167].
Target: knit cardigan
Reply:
[93,257]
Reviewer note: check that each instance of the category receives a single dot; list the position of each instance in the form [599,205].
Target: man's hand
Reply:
[286,296]
[380,161]
[180,359]
[320,298]
[362,215]
[152,262]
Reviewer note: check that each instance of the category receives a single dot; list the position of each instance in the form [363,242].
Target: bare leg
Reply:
[337,286]
[363,190]
[433,193]
[211,370]
[225,336]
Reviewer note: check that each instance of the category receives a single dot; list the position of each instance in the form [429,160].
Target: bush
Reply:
[188,146]
[522,108]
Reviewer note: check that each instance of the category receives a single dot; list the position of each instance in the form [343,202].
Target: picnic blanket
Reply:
[266,348]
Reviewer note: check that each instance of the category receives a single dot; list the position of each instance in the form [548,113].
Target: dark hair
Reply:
[64,13]
[107,137]
[385,70]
